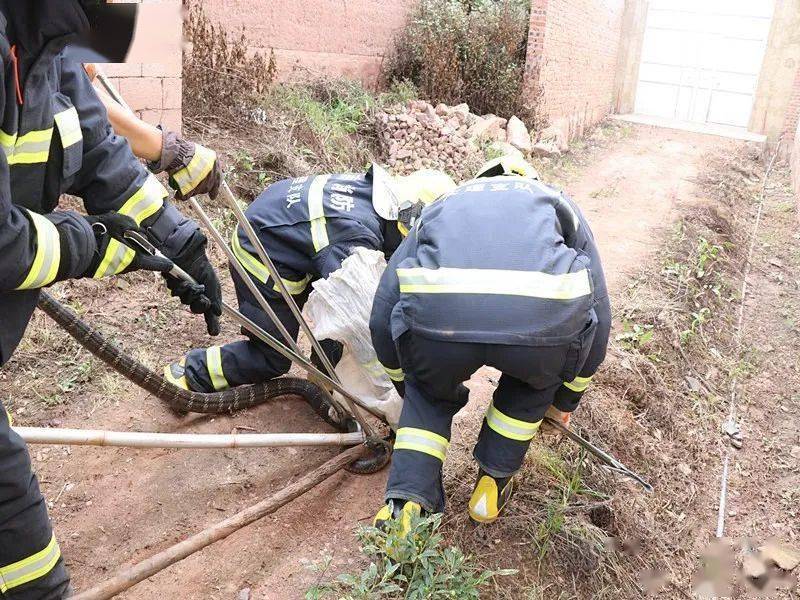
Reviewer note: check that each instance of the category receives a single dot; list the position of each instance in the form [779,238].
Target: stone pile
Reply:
[420,136]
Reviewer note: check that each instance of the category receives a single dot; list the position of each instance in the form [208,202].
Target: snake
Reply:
[226,401]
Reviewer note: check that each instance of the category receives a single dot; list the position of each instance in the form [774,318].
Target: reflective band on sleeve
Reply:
[146,202]
[259,270]
[420,440]
[198,169]
[374,368]
[31,148]
[69,127]
[509,427]
[35,566]
[214,366]
[579,384]
[394,374]
[533,284]
[316,212]
[44,269]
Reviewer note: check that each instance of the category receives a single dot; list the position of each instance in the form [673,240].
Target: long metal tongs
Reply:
[610,462]
[293,351]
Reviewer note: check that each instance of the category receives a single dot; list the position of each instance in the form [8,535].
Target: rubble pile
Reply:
[420,136]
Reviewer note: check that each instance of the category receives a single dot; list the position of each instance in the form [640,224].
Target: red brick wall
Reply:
[793,111]
[153,91]
[573,48]
[336,37]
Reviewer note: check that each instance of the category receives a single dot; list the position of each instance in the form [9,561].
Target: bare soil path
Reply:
[114,506]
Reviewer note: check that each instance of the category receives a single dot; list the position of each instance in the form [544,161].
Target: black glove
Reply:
[112,226]
[206,299]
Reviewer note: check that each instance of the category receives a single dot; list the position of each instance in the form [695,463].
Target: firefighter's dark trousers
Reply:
[249,361]
[434,392]
[31,567]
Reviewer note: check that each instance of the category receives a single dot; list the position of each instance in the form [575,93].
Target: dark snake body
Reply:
[227,401]
[178,399]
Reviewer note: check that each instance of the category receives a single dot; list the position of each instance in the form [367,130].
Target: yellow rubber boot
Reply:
[402,510]
[174,374]
[489,497]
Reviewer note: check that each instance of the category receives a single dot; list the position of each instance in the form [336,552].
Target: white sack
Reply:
[338,308]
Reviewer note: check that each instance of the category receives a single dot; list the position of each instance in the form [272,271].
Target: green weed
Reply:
[414,566]
[635,336]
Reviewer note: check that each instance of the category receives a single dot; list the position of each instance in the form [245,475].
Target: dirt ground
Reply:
[112,507]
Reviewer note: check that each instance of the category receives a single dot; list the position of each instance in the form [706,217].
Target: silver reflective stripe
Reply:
[69,127]
[316,212]
[509,427]
[198,169]
[214,366]
[421,440]
[30,568]
[45,264]
[533,284]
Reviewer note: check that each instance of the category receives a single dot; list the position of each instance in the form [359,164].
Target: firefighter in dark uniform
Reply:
[308,226]
[503,272]
[56,139]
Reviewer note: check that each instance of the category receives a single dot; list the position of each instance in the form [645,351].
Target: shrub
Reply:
[222,79]
[419,568]
[465,51]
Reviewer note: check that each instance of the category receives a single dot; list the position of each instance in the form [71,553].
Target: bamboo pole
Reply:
[129,577]
[138,439]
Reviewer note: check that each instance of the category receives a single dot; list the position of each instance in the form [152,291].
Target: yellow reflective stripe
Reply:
[533,284]
[198,169]
[259,270]
[146,202]
[69,127]
[214,366]
[177,382]
[394,374]
[31,148]
[420,440]
[30,568]
[44,269]
[316,212]
[509,427]
[579,384]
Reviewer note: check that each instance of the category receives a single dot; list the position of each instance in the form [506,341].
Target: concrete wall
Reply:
[792,119]
[634,21]
[151,80]
[778,73]
[339,37]
[573,53]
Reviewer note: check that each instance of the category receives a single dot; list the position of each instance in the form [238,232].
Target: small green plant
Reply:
[707,254]
[414,566]
[635,336]
[699,317]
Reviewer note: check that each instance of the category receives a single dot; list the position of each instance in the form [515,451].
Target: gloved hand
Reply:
[193,169]
[206,300]
[549,432]
[112,226]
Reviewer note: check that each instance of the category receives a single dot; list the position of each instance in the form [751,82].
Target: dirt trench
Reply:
[115,506]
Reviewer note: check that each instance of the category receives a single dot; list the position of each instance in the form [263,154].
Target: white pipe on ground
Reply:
[137,439]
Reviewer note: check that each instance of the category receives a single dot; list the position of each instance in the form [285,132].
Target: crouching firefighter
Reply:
[308,226]
[503,272]
[56,139]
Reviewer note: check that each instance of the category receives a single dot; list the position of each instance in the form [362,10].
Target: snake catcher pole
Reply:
[129,577]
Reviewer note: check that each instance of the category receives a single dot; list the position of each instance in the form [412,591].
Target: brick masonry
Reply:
[573,51]
[335,37]
[152,90]
[793,111]
[795,158]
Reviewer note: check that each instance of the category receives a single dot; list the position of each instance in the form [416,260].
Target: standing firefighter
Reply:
[503,272]
[56,139]
[308,226]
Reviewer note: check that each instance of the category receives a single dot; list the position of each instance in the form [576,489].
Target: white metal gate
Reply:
[701,59]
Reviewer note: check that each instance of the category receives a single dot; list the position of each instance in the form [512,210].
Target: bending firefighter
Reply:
[56,139]
[308,226]
[503,272]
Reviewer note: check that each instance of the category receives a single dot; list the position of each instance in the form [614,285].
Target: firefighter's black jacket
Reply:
[56,139]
